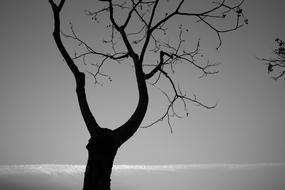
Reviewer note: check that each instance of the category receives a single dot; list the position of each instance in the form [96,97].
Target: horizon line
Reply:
[77,168]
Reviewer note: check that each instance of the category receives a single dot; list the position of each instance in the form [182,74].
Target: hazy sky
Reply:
[40,120]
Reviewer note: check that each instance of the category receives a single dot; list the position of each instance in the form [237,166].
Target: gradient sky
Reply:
[40,120]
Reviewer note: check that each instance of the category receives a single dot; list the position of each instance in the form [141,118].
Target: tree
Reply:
[146,40]
[276,65]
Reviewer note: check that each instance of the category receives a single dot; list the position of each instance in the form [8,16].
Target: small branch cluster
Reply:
[276,66]
[166,68]
[89,51]
[161,71]
[170,111]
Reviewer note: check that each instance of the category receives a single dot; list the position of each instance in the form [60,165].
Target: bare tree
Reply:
[140,33]
[276,65]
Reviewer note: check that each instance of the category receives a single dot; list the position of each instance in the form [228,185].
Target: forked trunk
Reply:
[101,153]
[104,143]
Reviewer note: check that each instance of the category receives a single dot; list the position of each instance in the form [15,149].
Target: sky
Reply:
[40,121]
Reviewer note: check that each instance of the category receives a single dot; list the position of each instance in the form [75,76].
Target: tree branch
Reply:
[177,96]
[90,121]
[121,30]
[128,129]
[56,34]
[276,65]
[130,14]
[205,14]
[158,67]
[90,50]
[150,30]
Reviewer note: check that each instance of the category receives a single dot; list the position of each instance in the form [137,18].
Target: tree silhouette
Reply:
[276,65]
[140,34]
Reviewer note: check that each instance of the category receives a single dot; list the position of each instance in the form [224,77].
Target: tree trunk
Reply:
[102,150]
[104,143]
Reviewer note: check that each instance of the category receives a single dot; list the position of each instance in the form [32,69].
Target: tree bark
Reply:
[102,150]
